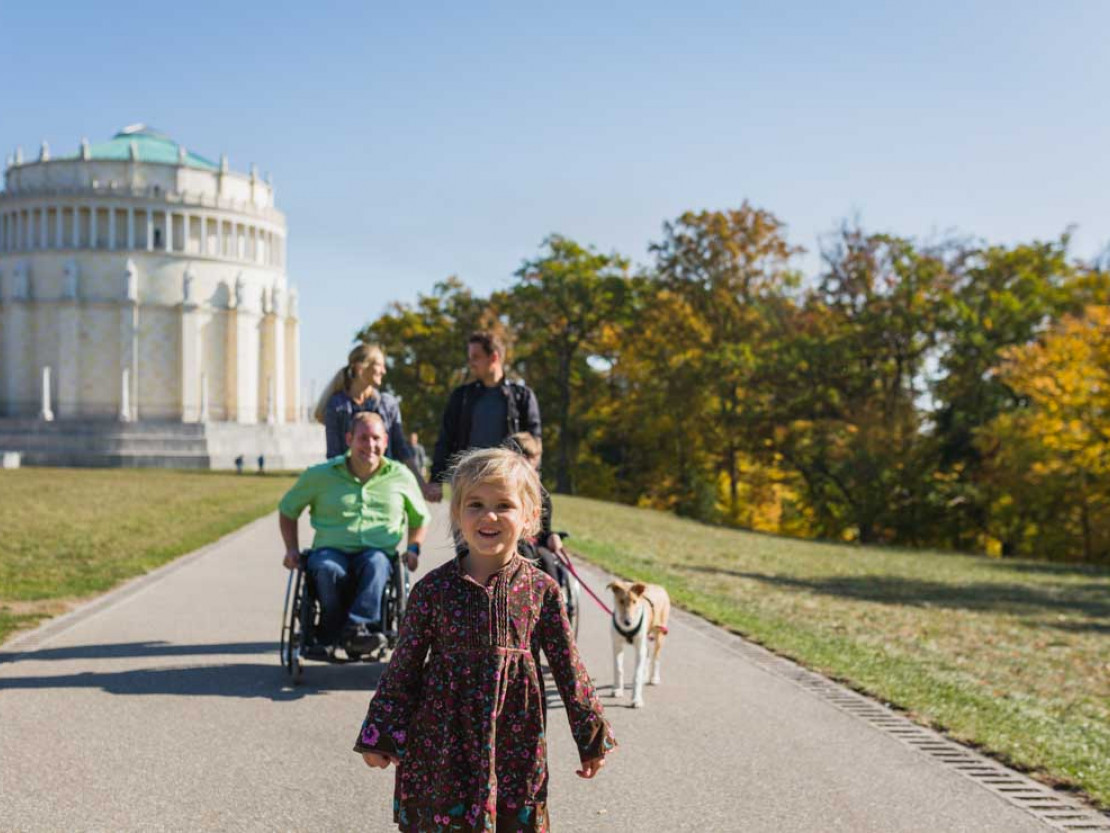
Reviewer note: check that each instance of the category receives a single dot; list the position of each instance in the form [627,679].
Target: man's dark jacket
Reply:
[522,414]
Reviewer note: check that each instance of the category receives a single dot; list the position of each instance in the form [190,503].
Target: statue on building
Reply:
[131,281]
[21,282]
[72,274]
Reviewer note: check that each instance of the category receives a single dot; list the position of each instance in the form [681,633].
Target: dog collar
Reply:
[628,635]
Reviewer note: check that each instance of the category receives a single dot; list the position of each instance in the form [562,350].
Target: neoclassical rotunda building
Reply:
[143,287]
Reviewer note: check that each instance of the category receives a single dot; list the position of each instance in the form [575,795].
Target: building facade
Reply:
[142,282]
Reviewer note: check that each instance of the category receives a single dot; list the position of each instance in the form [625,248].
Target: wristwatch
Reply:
[414,549]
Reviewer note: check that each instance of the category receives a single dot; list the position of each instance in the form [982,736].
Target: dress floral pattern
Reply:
[462,701]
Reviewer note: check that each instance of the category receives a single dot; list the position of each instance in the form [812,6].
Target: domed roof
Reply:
[149,145]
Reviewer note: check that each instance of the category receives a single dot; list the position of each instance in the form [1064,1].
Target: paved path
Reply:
[164,707]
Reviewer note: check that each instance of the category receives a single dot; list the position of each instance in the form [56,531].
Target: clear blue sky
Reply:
[408,144]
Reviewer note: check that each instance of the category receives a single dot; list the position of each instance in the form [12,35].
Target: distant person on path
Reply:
[419,456]
[361,504]
[467,728]
[482,413]
[356,388]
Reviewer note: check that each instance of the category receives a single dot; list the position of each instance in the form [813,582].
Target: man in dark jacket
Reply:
[482,413]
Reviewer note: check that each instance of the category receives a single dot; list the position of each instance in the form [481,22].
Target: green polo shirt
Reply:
[353,516]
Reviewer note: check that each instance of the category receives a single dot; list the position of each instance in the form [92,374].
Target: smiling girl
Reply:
[466,728]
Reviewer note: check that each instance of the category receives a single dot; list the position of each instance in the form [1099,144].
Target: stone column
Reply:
[60,228]
[219,237]
[93,211]
[14,338]
[293,357]
[112,228]
[45,413]
[186,237]
[169,231]
[203,397]
[129,343]
[130,228]
[75,232]
[125,396]
[243,358]
[44,232]
[191,353]
[149,230]
[277,363]
[69,335]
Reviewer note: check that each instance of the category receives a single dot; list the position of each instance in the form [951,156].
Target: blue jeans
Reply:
[367,571]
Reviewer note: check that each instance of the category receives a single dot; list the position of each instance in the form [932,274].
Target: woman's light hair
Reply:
[501,466]
[362,355]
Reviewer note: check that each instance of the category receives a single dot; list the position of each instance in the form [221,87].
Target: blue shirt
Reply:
[341,409]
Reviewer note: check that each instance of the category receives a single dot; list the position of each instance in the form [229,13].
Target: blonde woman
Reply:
[357,387]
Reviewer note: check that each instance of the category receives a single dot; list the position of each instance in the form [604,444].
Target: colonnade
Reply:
[163,229]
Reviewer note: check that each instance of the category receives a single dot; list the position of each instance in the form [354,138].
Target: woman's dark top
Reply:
[341,409]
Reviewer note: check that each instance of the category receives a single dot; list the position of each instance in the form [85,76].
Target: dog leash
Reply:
[570,566]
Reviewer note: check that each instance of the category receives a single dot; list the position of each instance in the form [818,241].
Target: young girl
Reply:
[466,730]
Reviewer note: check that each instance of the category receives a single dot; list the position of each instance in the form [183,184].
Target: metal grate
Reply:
[1059,810]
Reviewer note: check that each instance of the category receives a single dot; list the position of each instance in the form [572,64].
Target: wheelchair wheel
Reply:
[395,600]
[292,633]
[572,601]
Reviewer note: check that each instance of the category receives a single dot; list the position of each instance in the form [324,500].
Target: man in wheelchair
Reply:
[360,504]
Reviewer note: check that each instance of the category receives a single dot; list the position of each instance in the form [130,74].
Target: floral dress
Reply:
[469,724]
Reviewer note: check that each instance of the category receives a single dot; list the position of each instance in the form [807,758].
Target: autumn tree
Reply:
[1050,456]
[561,309]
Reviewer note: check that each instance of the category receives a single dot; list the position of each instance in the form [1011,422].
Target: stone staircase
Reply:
[89,443]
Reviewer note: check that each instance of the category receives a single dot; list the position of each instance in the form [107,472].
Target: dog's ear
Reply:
[638,588]
[614,586]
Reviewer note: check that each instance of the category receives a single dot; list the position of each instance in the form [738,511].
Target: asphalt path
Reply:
[163,706]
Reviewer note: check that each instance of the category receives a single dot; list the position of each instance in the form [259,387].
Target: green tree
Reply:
[425,346]
[561,309]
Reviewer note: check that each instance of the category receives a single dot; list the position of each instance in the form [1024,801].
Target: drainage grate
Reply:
[1056,809]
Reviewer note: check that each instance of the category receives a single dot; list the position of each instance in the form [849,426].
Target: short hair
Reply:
[490,342]
[527,444]
[496,465]
[369,417]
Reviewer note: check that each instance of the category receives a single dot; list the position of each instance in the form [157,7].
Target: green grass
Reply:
[68,534]
[1010,656]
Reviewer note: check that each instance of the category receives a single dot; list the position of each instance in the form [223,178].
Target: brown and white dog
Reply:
[640,615]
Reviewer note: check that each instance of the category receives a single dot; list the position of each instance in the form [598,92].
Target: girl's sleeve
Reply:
[399,692]
[591,731]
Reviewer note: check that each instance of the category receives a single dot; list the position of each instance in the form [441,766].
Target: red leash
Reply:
[567,563]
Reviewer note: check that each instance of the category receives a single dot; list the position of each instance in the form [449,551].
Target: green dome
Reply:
[150,146]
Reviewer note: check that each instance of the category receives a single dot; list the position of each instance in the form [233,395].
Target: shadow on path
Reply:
[121,650]
[267,681]
[1092,600]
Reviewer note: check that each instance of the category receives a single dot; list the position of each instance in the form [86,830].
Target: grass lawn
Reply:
[1010,656]
[72,533]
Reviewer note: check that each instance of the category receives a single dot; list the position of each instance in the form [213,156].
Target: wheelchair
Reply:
[569,585]
[302,612]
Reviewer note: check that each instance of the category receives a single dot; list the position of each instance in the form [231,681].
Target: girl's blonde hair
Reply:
[496,465]
[362,355]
